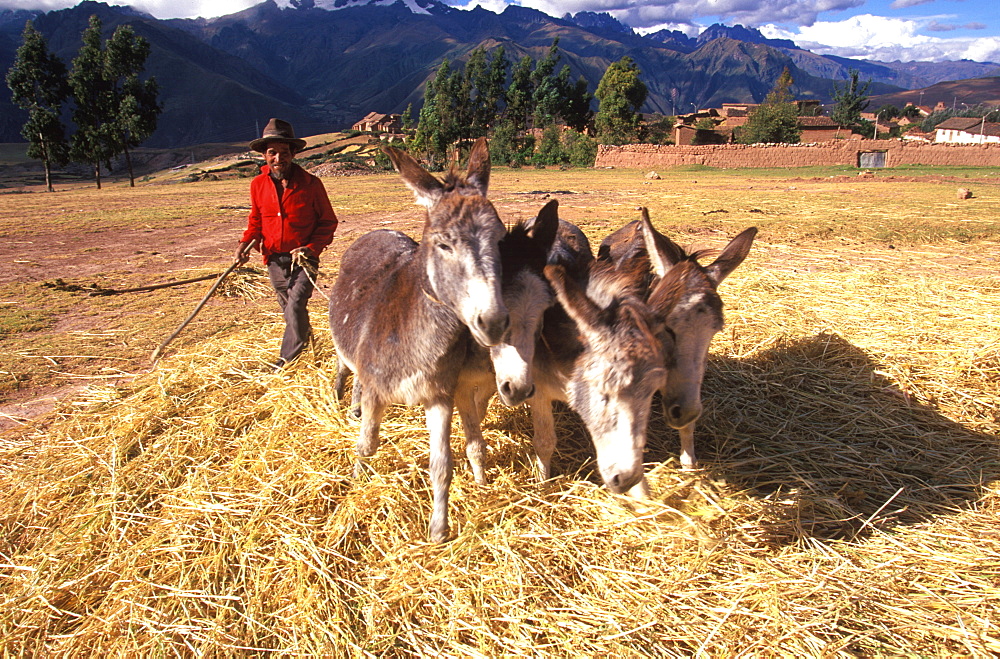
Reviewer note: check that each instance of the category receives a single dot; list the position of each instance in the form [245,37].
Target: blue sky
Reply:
[885,30]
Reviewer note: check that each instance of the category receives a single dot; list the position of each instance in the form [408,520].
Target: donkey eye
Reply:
[444,247]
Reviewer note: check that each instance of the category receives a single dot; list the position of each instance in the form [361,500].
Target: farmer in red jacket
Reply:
[291,217]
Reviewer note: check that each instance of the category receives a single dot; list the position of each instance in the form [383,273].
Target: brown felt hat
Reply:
[278,130]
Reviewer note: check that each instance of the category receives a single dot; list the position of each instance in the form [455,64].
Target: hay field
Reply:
[847,502]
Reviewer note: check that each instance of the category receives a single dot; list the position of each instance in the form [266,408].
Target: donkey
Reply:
[692,321]
[602,351]
[399,310]
[506,368]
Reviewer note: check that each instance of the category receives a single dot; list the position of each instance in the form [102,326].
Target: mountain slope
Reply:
[954,94]
[323,69]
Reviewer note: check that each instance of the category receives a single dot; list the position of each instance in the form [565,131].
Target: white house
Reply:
[967,130]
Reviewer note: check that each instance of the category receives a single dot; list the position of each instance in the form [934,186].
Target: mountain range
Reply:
[324,64]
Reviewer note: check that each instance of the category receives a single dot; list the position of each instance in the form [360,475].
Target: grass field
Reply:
[846,504]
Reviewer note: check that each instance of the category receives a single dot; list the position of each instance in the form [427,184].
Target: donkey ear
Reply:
[731,256]
[543,229]
[425,188]
[478,174]
[578,306]
[663,252]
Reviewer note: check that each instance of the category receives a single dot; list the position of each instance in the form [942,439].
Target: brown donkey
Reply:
[399,310]
[695,315]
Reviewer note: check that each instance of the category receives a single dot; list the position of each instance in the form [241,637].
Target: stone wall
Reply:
[837,152]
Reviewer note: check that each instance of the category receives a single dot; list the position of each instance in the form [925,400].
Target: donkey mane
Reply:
[609,284]
[687,276]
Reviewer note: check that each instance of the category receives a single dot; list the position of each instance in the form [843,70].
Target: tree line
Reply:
[492,96]
[112,108]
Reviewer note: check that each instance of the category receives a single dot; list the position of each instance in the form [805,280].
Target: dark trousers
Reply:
[294,290]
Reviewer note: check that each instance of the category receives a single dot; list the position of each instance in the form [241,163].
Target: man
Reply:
[293,222]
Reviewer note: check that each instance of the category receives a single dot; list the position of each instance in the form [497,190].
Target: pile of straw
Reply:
[847,504]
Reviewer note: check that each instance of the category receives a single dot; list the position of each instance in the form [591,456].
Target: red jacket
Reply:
[303,217]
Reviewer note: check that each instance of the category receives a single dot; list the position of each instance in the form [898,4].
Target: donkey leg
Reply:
[340,380]
[483,395]
[544,437]
[438,416]
[356,399]
[475,446]
[368,441]
[688,460]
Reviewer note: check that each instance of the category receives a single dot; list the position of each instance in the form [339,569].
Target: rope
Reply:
[311,269]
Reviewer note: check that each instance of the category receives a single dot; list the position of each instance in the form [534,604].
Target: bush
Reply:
[581,150]
[550,149]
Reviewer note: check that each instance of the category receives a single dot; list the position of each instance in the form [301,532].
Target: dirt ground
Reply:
[116,259]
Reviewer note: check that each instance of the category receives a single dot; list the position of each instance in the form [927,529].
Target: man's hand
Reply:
[303,257]
[242,253]
[300,254]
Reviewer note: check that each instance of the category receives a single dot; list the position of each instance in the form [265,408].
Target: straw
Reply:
[847,502]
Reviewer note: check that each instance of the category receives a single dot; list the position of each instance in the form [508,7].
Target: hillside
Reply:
[322,70]
[954,94]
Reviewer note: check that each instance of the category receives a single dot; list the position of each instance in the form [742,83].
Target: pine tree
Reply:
[134,105]
[776,119]
[851,100]
[620,94]
[37,81]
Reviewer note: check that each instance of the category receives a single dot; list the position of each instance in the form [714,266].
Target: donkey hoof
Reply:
[355,412]
[363,470]
[440,534]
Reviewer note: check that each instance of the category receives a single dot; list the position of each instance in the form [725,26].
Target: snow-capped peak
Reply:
[414,6]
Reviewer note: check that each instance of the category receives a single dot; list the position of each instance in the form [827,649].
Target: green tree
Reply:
[619,94]
[581,150]
[428,138]
[519,94]
[851,100]
[486,77]
[550,147]
[407,117]
[776,119]
[547,93]
[575,111]
[910,111]
[134,107]
[92,142]
[37,82]
[492,88]
[659,130]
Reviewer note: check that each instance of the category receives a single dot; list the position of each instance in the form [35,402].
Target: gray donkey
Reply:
[692,321]
[400,310]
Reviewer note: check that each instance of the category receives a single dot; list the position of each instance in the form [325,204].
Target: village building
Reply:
[691,128]
[376,122]
[967,130]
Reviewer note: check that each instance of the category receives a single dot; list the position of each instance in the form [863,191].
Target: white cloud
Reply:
[189,8]
[643,14]
[886,39]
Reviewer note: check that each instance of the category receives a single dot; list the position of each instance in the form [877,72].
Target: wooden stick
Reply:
[236,264]
[152,287]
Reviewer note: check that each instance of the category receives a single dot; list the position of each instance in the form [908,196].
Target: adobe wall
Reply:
[838,152]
